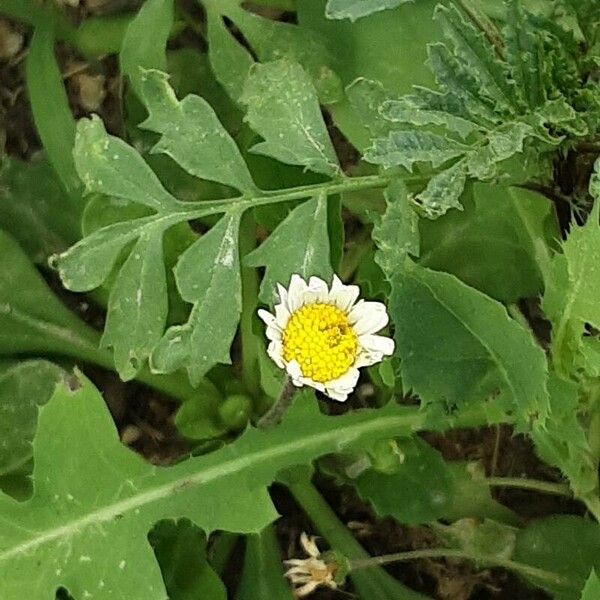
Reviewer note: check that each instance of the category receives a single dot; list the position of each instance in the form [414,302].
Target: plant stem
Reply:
[491,561]
[250,372]
[545,487]
[274,415]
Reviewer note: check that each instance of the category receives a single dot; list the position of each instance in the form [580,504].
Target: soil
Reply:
[145,418]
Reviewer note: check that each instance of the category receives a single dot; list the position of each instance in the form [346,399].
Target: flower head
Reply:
[322,336]
[307,574]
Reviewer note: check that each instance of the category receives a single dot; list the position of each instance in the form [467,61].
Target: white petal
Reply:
[296,292]
[338,389]
[295,372]
[275,352]
[343,296]
[266,316]
[282,315]
[377,344]
[317,291]
[282,293]
[273,332]
[368,317]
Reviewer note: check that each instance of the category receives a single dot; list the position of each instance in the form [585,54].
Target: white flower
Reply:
[307,574]
[323,336]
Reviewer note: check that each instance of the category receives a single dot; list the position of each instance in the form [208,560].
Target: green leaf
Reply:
[107,165]
[367,97]
[35,210]
[405,148]
[53,119]
[443,192]
[418,491]
[180,549]
[476,53]
[207,273]
[570,300]
[145,41]
[591,591]
[95,500]
[563,544]
[397,231]
[192,135]
[500,244]
[355,9]
[465,349]
[32,319]
[24,387]
[300,244]
[283,108]
[229,60]
[137,307]
[262,573]
[562,441]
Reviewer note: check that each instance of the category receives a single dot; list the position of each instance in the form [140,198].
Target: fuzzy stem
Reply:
[274,415]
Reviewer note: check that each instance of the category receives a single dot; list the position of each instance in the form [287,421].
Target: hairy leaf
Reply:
[192,135]
[465,349]
[208,276]
[86,526]
[300,244]
[283,109]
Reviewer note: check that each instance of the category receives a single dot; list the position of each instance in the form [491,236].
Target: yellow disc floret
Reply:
[320,338]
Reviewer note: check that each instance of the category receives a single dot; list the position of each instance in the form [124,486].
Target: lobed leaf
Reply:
[207,276]
[283,108]
[137,306]
[107,165]
[300,244]
[86,526]
[192,135]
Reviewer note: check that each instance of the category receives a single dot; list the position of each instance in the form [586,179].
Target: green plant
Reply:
[468,206]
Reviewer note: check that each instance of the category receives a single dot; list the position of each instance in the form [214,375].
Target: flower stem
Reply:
[545,487]
[491,561]
[274,415]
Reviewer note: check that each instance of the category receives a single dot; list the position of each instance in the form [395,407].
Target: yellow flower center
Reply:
[320,338]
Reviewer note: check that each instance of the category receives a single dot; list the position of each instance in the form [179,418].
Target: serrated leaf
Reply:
[591,591]
[397,231]
[405,148]
[107,165]
[86,526]
[443,192]
[24,387]
[467,350]
[283,108]
[229,60]
[571,297]
[476,54]
[355,9]
[192,135]
[145,42]
[426,107]
[300,244]
[525,55]
[137,306]
[262,573]
[207,276]
[562,440]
